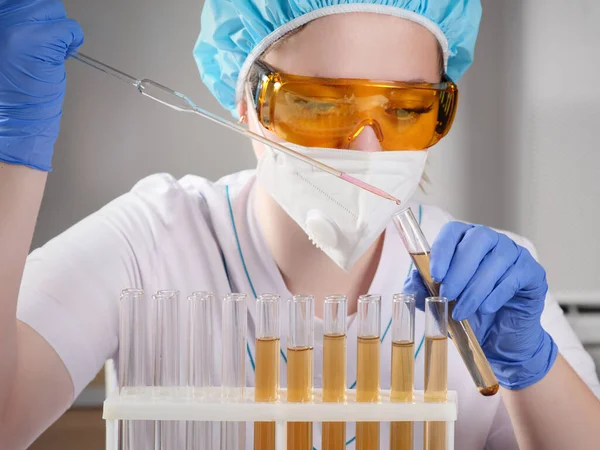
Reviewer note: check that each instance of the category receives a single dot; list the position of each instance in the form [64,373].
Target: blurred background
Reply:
[523,154]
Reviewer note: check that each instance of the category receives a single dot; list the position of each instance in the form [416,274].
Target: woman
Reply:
[249,231]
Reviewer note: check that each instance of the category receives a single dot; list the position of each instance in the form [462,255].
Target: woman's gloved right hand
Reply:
[35,39]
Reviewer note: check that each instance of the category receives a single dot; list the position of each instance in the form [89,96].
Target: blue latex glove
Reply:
[35,39]
[500,288]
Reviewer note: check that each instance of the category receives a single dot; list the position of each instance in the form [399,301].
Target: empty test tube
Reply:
[168,342]
[133,349]
[267,365]
[300,346]
[135,364]
[233,368]
[436,367]
[183,335]
[335,311]
[367,372]
[170,434]
[200,366]
[402,377]
[461,332]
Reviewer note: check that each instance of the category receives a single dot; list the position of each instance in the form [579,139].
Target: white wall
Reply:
[523,155]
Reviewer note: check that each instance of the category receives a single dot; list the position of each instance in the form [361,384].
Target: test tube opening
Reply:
[335,314]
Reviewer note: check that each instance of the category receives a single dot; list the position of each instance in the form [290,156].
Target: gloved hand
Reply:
[500,288]
[35,39]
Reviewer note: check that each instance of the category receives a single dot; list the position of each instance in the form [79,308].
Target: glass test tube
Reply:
[335,312]
[170,434]
[403,373]
[201,361]
[233,366]
[133,350]
[182,331]
[436,367]
[300,366]
[461,332]
[135,364]
[267,365]
[367,372]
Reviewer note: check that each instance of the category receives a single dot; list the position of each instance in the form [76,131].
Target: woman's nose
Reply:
[366,140]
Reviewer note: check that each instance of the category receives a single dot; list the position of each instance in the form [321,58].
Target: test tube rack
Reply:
[179,404]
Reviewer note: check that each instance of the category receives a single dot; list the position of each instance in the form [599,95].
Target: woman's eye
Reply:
[401,113]
[407,113]
[319,107]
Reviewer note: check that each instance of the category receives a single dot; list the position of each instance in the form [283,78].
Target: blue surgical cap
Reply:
[234,33]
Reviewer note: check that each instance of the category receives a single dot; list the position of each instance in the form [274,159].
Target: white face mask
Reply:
[339,218]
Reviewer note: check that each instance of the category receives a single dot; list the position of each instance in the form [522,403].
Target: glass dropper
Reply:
[182,103]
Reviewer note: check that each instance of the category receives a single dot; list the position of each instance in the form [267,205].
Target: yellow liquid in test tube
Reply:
[367,390]
[334,388]
[401,433]
[267,384]
[436,388]
[299,390]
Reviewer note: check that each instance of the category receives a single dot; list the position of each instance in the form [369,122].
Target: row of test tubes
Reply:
[152,335]
[368,363]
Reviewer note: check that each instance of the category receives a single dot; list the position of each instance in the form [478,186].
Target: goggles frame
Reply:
[264,82]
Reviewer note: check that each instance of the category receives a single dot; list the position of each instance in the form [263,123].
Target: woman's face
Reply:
[357,45]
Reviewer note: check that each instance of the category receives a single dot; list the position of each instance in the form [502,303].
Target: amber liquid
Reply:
[299,390]
[267,385]
[436,388]
[333,435]
[367,390]
[403,374]
[462,335]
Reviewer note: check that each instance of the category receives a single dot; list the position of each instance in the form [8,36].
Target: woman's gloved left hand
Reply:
[500,288]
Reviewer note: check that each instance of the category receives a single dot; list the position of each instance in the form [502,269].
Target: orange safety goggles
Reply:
[331,112]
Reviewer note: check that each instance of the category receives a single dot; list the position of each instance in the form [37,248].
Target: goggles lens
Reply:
[322,112]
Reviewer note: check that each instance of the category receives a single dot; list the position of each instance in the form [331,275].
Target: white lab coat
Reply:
[191,235]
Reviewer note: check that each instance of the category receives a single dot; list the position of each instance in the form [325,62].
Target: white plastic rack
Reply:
[179,404]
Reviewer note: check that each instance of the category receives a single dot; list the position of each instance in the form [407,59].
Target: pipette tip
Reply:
[369,188]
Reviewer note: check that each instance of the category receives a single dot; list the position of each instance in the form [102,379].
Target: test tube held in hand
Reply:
[335,311]
[461,332]
[300,346]
[367,372]
[267,365]
[200,363]
[436,367]
[135,363]
[402,377]
[233,367]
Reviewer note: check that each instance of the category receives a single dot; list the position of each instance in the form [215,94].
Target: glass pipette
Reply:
[180,102]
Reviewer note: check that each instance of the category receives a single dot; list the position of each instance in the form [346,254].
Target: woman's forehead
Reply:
[360,45]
